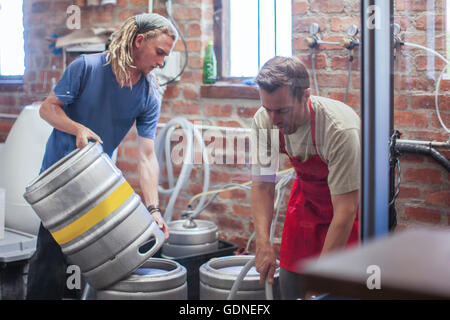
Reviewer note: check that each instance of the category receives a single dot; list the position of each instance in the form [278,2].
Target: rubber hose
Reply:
[424,150]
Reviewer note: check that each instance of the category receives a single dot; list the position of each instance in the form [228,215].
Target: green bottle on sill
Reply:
[209,65]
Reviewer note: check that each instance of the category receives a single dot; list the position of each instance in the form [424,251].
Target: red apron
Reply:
[310,211]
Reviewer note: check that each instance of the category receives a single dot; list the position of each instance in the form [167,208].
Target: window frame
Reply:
[15,79]
[222,39]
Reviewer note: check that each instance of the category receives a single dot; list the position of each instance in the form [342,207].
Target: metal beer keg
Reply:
[94,215]
[156,279]
[217,277]
[190,237]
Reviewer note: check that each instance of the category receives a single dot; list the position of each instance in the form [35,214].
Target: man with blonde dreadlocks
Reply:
[100,97]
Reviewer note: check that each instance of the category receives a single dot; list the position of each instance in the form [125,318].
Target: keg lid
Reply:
[192,232]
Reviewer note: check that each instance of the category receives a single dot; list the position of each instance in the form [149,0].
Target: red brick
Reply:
[422,63]
[427,135]
[320,61]
[352,98]
[423,175]
[409,193]
[220,176]
[9,101]
[186,13]
[231,123]
[410,119]
[190,93]
[192,76]
[194,45]
[422,214]
[438,198]
[195,62]
[302,24]
[341,24]
[422,22]
[125,14]
[235,194]
[218,110]
[331,80]
[185,107]
[400,101]
[229,224]
[445,119]
[341,63]
[194,30]
[416,5]
[142,3]
[326,6]
[172,91]
[299,7]
[244,211]
[246,112]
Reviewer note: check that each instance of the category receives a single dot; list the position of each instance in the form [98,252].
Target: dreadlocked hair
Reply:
[120,50]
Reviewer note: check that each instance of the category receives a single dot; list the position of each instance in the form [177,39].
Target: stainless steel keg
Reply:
[94,215]
[217,277]
[156,279]
[190,237]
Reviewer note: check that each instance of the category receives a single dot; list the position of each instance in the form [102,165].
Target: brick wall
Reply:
[425,188]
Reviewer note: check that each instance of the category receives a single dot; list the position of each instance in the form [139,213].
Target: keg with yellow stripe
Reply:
[95,216]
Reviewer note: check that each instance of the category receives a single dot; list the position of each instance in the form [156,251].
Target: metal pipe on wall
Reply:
[377,116]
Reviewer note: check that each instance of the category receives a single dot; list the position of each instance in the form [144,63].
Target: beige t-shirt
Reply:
[337,141]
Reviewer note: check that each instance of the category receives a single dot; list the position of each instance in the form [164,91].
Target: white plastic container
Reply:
[20,162]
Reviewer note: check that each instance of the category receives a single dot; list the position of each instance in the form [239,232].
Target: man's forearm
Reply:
[345,207]
[148,179]
[338,234]
[262,198]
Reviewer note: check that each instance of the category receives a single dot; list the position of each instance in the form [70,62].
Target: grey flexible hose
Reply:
[313,68]
[162,149]
[349,74]
[268,286]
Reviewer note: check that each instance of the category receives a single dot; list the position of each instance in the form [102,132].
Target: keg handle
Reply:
[156,239]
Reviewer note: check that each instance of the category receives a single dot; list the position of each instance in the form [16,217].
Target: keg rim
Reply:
[56,169]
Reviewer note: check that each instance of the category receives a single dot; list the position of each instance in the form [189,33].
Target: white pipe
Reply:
[426,49]
[150,6]
[208,127]
[9,115]
[436,93]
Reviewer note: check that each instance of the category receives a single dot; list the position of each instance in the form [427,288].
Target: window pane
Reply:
[252,42]
[243,38]
[267,30]
[11,38]
[284,28]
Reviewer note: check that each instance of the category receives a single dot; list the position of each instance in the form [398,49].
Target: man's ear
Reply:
[307,93]
[139,40]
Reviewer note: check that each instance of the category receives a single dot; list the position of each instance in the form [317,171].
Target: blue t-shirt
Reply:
[94,98]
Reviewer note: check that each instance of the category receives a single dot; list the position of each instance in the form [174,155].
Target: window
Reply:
[11,39]
[250,32]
